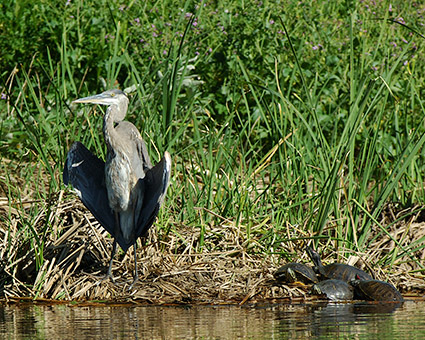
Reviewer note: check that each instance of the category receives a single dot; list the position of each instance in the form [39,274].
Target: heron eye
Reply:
[112,94]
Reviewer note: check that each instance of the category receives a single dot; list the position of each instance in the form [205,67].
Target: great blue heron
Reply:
[124,193]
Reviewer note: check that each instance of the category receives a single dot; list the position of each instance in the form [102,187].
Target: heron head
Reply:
[116,99]
[110,97]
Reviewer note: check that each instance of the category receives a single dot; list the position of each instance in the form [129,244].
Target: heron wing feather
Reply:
[134,147]
[155,184]
[86,173]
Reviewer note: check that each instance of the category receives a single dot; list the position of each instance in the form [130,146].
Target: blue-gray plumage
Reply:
[124,193]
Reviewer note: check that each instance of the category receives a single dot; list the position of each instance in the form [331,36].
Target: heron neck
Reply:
[109,131]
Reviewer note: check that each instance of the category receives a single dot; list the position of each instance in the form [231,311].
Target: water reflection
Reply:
[294,321]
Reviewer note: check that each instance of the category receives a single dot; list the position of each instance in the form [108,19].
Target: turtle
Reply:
[333,289]
[375,290]
[296,272]
[339,271]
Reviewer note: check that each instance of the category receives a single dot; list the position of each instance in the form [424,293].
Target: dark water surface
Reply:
[295,321]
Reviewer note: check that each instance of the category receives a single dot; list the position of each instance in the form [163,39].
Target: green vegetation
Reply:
[287,121]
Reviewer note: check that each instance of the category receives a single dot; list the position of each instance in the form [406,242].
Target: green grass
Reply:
[293,122]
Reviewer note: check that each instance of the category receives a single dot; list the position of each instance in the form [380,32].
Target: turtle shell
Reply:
[338,271]
[345,272]
[293,272]
[375,290]
[333,290]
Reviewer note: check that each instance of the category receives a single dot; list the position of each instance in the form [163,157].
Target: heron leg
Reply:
[114,248]
[136,275]
[109,273]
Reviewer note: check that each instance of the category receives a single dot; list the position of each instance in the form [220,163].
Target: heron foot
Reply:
[108,276]
[136,278]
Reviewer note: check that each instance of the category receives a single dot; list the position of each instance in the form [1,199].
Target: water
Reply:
[286,321]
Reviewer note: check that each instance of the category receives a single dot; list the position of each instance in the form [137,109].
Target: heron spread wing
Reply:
[86,173]
[154,185]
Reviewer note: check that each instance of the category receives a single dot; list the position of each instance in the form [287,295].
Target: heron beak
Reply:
[102,99]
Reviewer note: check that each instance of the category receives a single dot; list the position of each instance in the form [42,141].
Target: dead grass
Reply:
[172,269]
